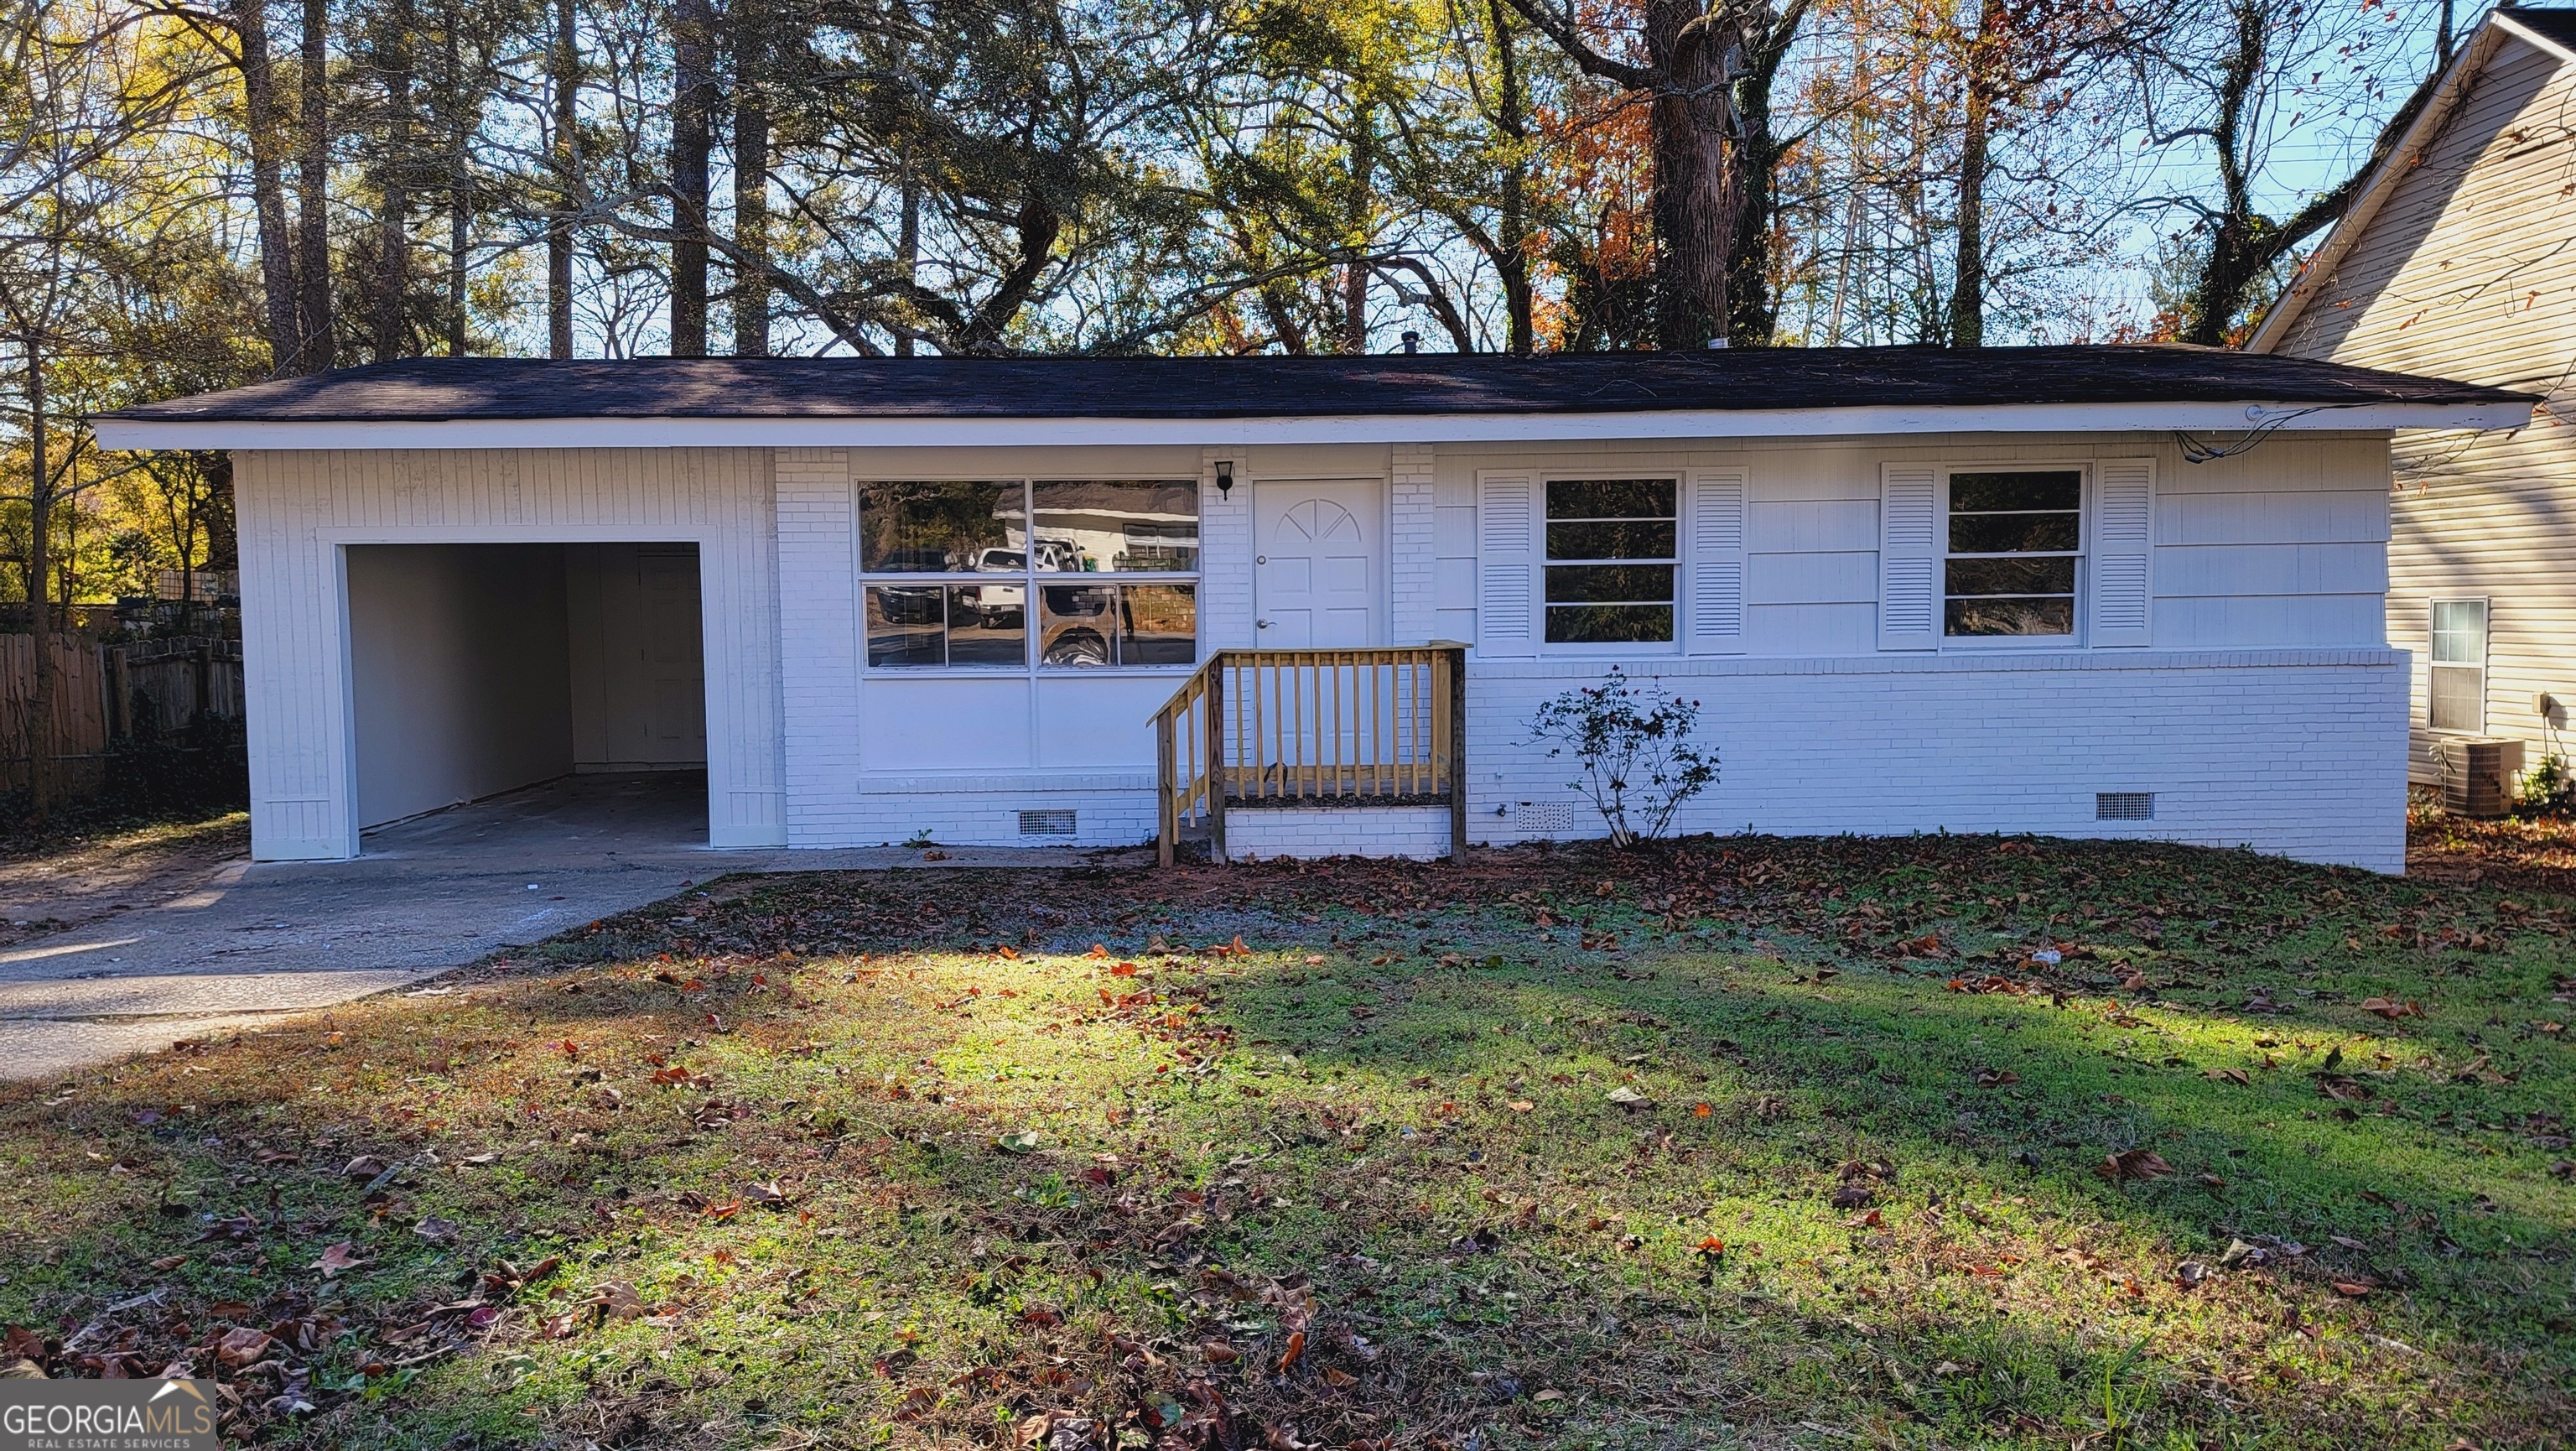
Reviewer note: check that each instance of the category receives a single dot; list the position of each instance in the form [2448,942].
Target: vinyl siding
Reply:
[2468,271]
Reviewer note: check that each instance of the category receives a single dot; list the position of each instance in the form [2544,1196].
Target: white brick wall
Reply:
[2300,753]
[818,611]
[1225,555]
[1413,560]
[1256,833]
[1118,811]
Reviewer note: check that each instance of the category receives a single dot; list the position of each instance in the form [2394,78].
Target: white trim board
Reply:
[2217,418]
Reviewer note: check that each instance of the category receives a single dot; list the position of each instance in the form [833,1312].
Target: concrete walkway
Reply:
[240,941]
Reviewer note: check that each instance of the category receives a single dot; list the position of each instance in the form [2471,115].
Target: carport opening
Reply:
[482,669]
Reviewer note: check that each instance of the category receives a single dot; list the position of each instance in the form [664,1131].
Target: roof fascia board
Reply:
[130,433]
[2525,33]
[2348,228]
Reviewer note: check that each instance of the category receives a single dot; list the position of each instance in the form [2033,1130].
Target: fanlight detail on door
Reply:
[1321,520]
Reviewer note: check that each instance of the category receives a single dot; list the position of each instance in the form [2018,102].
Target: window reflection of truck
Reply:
[911,604]
[1003,606]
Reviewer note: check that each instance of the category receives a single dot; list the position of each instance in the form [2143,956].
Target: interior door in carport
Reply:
[1318,550]
[675,688]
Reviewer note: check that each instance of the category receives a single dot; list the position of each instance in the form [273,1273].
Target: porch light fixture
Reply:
[1225,478]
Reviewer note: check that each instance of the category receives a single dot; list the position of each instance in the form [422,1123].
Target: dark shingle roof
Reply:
[2558,25]
[428,389]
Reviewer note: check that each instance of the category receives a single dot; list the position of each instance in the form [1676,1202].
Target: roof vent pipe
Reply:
[1412,341]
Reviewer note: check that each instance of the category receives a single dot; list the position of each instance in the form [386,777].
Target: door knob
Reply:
[1261,624]
[1261,559]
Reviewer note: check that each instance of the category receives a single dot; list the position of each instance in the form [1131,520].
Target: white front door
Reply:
[1319,562]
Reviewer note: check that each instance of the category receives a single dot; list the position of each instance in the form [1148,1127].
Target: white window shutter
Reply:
[1713,557]
[1507,507]
[1909,557]
[2124,513]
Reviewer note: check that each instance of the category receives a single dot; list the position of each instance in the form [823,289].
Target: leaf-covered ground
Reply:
[1939,1142]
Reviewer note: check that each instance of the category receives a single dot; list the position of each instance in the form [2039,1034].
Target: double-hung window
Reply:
[1612,552]
[2014,538]
[950,570]
[2459,665]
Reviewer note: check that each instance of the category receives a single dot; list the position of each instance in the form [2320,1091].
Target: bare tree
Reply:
[2230,82]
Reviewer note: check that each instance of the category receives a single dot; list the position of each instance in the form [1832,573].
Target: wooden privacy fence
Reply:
[147,690]
[1377,727]
[77,732]
[162,688]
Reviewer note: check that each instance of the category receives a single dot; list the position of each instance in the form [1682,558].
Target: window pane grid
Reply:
[1111,566]
[1613,551]
[2456,699]
[2014,539]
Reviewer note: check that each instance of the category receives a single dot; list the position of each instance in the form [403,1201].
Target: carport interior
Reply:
[477,669]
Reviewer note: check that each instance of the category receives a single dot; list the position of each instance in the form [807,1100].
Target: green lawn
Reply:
[1759,1142]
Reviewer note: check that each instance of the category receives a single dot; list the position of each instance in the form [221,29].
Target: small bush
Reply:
[2549,786]
[1635,745]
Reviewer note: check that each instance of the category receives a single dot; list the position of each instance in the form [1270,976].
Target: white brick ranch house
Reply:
[2131,591]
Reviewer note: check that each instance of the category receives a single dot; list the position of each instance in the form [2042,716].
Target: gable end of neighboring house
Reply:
[2459,261]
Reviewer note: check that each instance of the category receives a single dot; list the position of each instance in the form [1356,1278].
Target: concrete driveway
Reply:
[231,943]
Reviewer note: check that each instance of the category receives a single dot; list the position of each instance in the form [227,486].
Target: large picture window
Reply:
[2459,665]
[951,569]
[2013,542]
[1612,547]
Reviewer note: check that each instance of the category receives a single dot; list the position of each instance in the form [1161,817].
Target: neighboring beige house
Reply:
[2459,260]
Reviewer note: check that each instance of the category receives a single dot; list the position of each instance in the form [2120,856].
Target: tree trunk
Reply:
[566,80]
[1985,54]
[313,184]
[750,181]
[1753,313]
[393,226]
[692,110]
[460,188]
[40,615]
[1511,259]
[907,245]
[1361,202]
[1968,283]
[268,188]
[1696,195]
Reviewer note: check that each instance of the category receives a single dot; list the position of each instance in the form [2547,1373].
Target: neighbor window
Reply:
[2459,684]
[1017,539]
[2014,540]
[1611,551]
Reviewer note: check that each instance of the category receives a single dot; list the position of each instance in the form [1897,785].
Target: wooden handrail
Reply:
[1379,726]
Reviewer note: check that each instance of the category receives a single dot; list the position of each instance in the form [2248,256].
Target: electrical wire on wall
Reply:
[2266,423]
[2420,467]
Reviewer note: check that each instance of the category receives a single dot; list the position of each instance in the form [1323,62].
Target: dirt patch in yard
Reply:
[2521,854]
[60,886]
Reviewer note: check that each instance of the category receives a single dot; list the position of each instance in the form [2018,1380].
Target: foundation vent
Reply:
[1046,823]
[2124,806]
[1544,815]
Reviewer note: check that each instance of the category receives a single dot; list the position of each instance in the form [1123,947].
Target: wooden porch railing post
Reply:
[1454,659]
[1167,789]
[1216,734]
